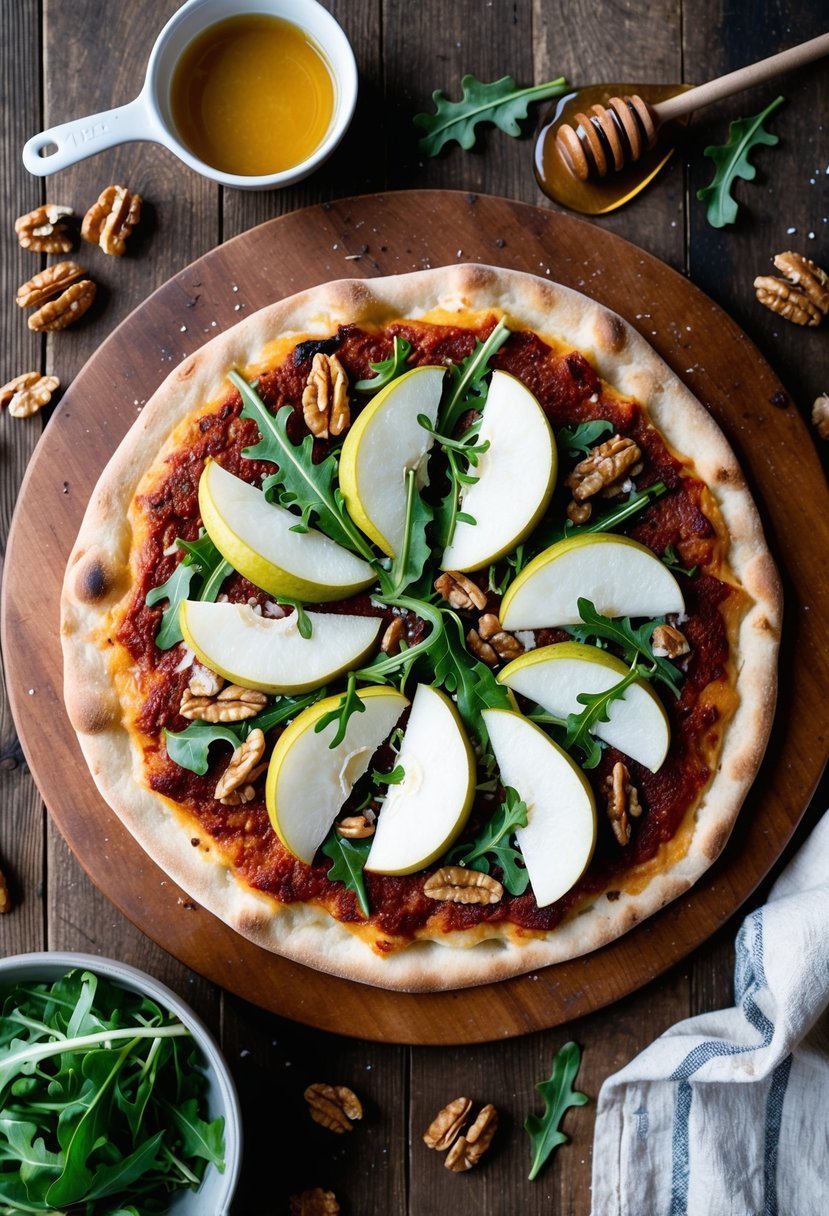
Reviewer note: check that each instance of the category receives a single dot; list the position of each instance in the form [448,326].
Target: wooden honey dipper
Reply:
[612,136]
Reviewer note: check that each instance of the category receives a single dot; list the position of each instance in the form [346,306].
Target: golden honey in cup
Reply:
[252,95]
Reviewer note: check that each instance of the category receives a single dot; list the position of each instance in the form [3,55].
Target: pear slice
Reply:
[619,576]
[422,815]
[308,780]
[560,835]
[383,443]
[256,537]
[553,677]
[516,476]
[270,654]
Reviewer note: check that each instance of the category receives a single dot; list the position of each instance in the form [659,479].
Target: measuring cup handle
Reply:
[74,141]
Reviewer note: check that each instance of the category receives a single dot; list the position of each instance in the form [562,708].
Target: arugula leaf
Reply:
[559,1096]
[467,385]
[674,563]
[387,369]
[349,858]
[408,565]
[494,841]
[313,487]
[393,778]
[611,519]
[189,748]
[731,161]
[202,561]
[634,643]
[500,102]
[597,709]
[579,439]
[350,703]
[462,455]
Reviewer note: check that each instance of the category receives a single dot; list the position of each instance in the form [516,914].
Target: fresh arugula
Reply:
[578,440]
[462,455]
[189,748]
[103,1097]
[499,101]
[494,845]
[349,859]
[607,521]
[731,161]
[635,644]
[410,561]
[558,1094]
[201,562]
[387,369]
[674,563]
[468,385]
[350,703]
[579,726]
[301,483]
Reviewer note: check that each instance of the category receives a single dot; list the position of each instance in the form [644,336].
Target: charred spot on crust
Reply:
[92,582]
[611,334]
[728,476]
[305,351]
[186,371]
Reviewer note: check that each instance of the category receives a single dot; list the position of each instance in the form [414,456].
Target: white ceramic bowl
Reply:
[148,116]
[214,1196]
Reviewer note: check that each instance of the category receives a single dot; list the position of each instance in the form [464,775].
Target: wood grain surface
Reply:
[60,61]
[411,229]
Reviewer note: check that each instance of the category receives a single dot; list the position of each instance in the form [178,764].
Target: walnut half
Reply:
[468,1149]
[111,219]
[27,394]
[333,1106]
[456,884]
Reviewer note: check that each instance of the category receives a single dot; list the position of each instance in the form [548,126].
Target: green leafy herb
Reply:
[395,777]
[189,747]
[468,384]
[579,439]
[500,102]
[462,455]
[302,483]
[303,621]
[559,1095]
[635,644]
[103,1100]
[494,845]
[602,523]
[674,563]
[349,859]
[597,709]
[731,161]
[203,562]
[409,563]
[500,574]
[387,369]
[348,704]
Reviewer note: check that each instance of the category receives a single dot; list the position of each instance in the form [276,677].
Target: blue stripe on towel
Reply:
[749,978]
[774,1115]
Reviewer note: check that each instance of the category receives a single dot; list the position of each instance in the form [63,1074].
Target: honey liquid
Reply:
[252,95]
[599,195]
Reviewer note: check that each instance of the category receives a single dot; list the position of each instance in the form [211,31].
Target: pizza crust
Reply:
[98,576]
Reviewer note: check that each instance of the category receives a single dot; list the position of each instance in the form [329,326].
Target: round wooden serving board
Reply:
[365,237]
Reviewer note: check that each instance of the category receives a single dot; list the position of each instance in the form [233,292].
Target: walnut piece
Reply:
[603,472]
[110,220]
[668,642]
[787,300]
[810,278]
[622,802]
[467,1150]
[204,682]
[43,230]
[314,1203]
[457,885]
[48,283]
[481,649]
[65,310]
[245,793]
[820,415]
[355,827]
[460,591]
[333,1106]
[325,397]
[232,704]
[27,394]
[505,645]
[244,760]
[446,1125]
[390,642]
[5,898]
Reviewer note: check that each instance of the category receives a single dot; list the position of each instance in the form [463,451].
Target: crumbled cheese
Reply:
[527,638]
[186,659]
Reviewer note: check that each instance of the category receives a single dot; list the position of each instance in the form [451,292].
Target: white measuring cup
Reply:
[149,116]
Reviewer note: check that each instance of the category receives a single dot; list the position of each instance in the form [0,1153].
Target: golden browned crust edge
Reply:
[98,571]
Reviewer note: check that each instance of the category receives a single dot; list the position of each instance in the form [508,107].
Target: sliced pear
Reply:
[270,654]
[420,817]
[618,575]
[384,442]
[553,677]
[560,835]
[516,476]
[308,780]
[255,536]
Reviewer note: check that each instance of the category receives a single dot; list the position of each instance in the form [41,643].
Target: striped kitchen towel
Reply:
[727,1114]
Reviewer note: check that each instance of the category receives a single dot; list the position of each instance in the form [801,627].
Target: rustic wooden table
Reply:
[60,61]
